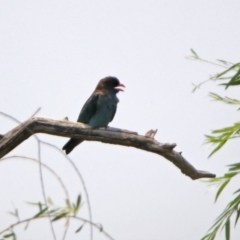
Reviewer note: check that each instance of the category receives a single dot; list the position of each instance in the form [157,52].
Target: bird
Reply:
[99,110]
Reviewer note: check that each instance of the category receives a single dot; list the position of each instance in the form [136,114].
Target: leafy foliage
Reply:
[227,100]
[54,212]
[230,77]
[218,138]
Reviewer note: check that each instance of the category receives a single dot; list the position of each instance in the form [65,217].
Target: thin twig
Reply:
[56,175]
[11,117]
[74,166]
[45,166]
[82,181]
[39,157]
[213,63]
[36,112]
[73,217]
[43,188]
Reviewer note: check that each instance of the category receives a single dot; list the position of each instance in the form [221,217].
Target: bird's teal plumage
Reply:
[106,108]
[99,109]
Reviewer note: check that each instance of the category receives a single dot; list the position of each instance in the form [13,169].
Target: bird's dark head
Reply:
[111,84]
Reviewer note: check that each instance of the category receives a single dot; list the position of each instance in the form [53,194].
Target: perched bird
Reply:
[100,108]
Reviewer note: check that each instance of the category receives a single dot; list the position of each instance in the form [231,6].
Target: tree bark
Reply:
[68,129]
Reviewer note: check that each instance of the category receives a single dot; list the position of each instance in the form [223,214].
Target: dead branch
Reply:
[64,128]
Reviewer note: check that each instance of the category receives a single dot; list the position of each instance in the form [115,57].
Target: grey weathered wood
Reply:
[68,129]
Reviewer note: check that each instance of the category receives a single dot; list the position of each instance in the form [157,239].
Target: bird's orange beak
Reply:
[119,87]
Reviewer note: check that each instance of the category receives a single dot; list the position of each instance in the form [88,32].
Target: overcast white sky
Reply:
[52,55]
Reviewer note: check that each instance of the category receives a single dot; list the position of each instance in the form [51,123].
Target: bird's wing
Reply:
[113,112]
[89,109]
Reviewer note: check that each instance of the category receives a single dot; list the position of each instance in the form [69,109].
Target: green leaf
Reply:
[59,216]
[100,226]
[40,206]
[237,217]
[68,204]
[12,213]
[227,229]
[76,207]
[235,83]
[227,100]
[221,188]
[32,203]
[235,79]
[195,87]
[225,134]
[194,53]
[26,225]
[230,174]
[54,210]
[50,202]
[237,191]
[234,202]
[224,62]
[234,166]
[41,212]
[79,229]
[227,130]
[228,70]
[218,147]
[9,235]
[78,202]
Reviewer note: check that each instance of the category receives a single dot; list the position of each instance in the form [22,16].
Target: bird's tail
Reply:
[70,145]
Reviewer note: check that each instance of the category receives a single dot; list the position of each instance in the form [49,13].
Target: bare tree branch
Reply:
[64,128]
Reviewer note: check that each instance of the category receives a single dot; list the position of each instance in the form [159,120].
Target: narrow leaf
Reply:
[68,204]
[221,188]
[194,53]
[228,70]
[54,210]
[237,217]
[8,235]
[49,200]
[78,202]
[32,203]
[12,213]
[227,229]
[40,206]
[26,225]
[100,226]
[234,80]
[230,174]
[235,165]
[235,201]
[237,191]
[217,148]
[59,216]
[79,229]
[41,212]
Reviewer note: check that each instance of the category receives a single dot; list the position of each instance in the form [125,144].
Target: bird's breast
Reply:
[106,108]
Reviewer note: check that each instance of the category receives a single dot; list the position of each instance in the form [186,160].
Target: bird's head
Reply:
[111,84]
